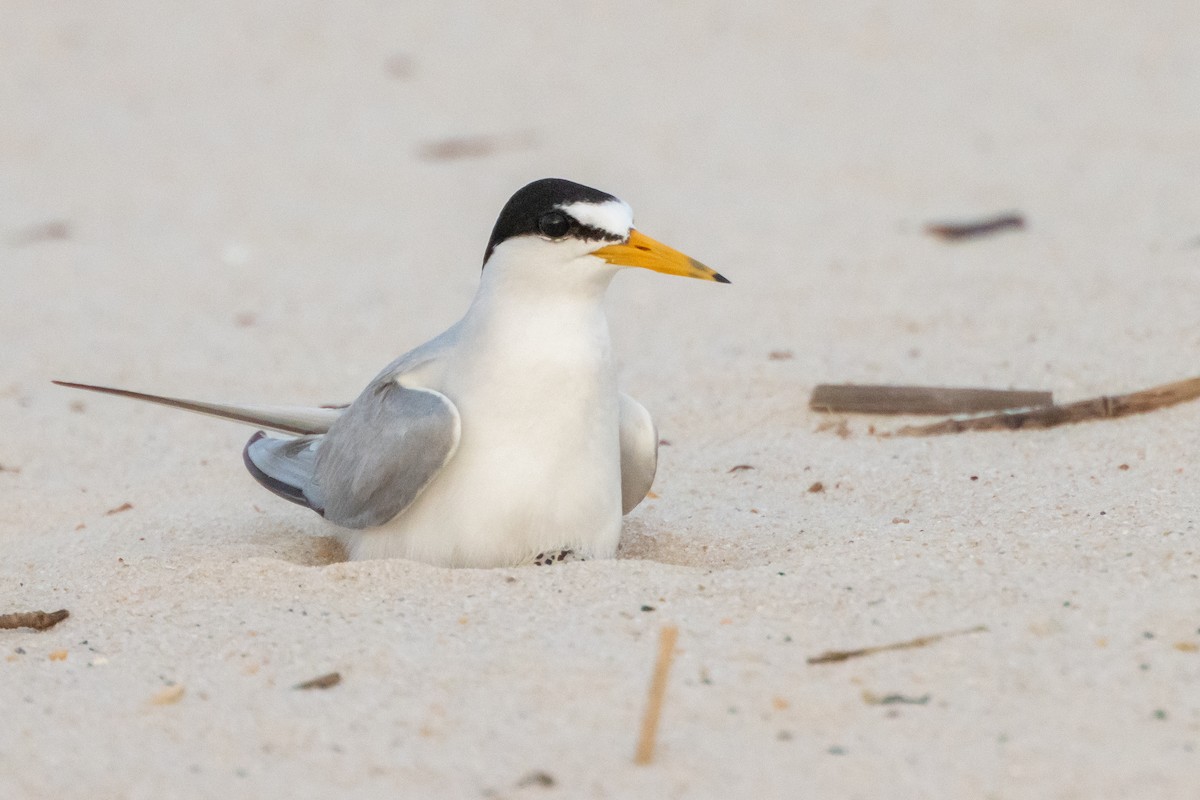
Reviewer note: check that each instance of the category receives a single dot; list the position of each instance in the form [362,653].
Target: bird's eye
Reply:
[554,224]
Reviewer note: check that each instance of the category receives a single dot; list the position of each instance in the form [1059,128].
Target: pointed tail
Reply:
[299,420]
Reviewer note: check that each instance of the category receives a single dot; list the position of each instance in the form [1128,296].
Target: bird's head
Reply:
[557,230]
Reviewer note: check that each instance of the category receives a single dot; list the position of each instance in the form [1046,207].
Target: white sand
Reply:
[254,216]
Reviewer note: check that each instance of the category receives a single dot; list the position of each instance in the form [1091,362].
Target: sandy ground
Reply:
[268,201]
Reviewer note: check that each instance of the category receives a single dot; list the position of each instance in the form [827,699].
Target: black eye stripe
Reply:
[559,225]
[591,233]
[522,215]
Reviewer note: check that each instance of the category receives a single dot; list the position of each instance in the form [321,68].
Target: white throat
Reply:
[528,271]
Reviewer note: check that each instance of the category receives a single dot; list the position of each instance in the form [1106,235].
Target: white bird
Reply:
[503,441]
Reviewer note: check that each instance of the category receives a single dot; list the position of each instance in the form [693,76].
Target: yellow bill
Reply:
[642,251]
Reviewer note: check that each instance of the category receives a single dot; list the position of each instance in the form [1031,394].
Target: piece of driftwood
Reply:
[38,620]
[872,699]
[873,399]
[834,656]
[1106,407]
[323,682]
[955,231]
[654,699]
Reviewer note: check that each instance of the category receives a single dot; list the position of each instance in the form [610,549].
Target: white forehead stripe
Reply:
[612,216]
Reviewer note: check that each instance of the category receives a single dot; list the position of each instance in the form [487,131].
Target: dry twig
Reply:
[954,231]
[654,700]
[832,656]
[323,682]
[872,399]
[1106,407]
[38,620]
[872,699]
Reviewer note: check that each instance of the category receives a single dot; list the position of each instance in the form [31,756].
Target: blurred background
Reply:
[317,179]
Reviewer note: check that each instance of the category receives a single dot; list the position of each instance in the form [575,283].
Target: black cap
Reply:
[523,214]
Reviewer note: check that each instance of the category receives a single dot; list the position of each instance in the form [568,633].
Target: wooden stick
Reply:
[871,399]
[654,700]
[1106,407]
[953,231]
[38,620]
[833,656]
[322,682]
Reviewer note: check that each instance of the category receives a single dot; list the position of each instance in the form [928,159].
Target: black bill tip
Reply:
[719,278]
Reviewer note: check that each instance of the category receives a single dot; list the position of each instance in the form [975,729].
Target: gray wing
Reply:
[639,452]
[373,463]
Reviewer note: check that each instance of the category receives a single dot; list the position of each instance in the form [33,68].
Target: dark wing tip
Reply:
[285,490]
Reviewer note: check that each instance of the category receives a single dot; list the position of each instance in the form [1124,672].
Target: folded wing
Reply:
[375,460]
[639,452]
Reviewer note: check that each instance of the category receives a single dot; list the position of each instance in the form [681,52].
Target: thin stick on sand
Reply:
[38,620]
[1106,407]
[322,682]
[834,656]
[654,700]
[954,231]
[875,399]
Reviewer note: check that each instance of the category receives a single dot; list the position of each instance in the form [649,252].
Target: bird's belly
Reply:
[531,475]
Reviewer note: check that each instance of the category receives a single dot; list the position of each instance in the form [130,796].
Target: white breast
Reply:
[538,466]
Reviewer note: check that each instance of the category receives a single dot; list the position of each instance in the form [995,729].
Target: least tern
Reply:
[504,440]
